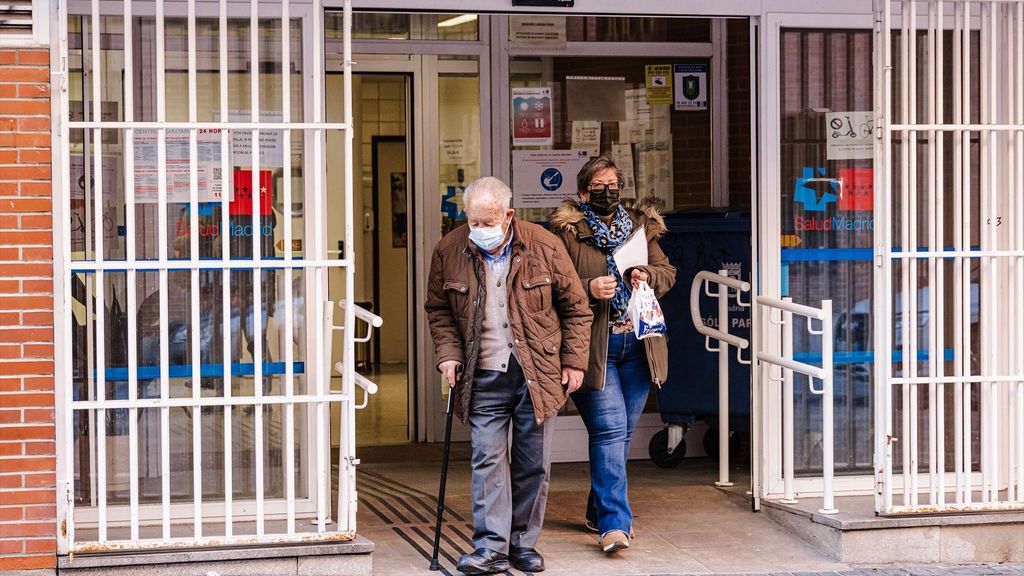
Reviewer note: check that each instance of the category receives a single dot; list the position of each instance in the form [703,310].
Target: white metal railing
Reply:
[704,279]
[786,309]
[975,358]
[227,520]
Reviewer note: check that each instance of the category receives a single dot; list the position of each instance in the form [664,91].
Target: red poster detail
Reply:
[241,202]
[858,189]
[531,118]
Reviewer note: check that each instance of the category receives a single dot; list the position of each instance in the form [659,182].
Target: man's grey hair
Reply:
[488,190]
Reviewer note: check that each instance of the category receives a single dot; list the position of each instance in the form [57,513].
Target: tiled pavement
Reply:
[683,524]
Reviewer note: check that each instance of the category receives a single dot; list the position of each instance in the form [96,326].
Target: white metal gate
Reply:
[291,398]
[949,248]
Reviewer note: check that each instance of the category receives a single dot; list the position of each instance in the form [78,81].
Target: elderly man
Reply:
[504,301]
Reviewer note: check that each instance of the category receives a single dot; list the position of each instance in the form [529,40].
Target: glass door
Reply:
[815,234]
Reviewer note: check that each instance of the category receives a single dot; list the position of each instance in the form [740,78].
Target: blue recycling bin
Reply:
[698,241]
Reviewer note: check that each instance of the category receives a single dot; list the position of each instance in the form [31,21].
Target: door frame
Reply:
[766,412]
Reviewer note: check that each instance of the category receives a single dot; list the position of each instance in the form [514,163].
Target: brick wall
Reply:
[27,448]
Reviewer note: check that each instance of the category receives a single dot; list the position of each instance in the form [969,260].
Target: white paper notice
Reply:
[271,142]
[177,166]
[544,178]
[632,252]
[654,173]
[623,156]
[644,122]
[537,31]
[849,135]
[586,135]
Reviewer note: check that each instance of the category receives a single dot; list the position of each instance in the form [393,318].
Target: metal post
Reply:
[723,386]
[788,446]
[827,446]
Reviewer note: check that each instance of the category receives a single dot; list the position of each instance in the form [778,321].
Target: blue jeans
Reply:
[611,416]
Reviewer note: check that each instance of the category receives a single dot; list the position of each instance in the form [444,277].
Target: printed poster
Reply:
[544,178]
[658,83]
[537,32]
[623,155]
[691,81]
[654,173]
[644,122]
[177,166]
[531,116]
[848,135]
[858,189]
[586,135]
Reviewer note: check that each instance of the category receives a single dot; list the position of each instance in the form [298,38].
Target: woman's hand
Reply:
[637,277]
[603,287]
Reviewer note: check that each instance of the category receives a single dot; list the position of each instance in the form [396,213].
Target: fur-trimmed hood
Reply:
[569,218]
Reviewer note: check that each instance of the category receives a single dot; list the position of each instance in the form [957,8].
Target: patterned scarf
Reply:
[607,237]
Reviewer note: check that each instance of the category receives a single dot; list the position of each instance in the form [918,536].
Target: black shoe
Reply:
[482,561]
[526,559]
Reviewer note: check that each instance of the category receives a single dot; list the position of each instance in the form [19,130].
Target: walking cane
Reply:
[444,474]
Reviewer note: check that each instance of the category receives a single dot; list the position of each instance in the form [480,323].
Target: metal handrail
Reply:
[705,279]
[824,373]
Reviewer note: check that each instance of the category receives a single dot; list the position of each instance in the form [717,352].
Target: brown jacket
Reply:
[547,308]
[568,223]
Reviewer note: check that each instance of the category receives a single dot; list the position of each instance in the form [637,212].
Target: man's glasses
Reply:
[601,186]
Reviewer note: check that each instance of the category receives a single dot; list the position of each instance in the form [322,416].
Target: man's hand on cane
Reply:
[572,379]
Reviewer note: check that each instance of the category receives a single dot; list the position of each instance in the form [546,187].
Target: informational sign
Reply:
[177,165]
[544,178]
[241,202]
[658,83]
[691,86]
[654,173]
[586,135]
[531,116]
[537,31]
[595,98]
[453,150]
[644,122]
[77,175]
[623,156]
[848,135]
[858,189]
[271,141]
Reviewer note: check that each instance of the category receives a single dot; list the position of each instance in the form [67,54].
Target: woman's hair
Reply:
[593,166]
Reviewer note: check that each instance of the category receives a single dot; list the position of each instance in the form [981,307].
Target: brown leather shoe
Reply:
[614,541]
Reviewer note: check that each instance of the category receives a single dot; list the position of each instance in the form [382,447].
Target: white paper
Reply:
[586,135]
[848,135]
[544,178]
[632,252]
[654,173]
[644,122]
[537,31]
[178,166]
[271,142]
[623,156]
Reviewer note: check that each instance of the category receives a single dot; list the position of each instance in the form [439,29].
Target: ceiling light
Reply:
[461,19]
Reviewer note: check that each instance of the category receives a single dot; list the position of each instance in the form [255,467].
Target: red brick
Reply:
[37,286]
[22,367]
[33,496]
[8,188]
[37,319]
[27,432]
[11,448]
[28,529]
[35,189]
[28,562]
[38,415]
[25,107]
[9,254]
[41,156]
[42,545]
[27,334]
[9,222]
[26,302]
[21,205]
[8,90]
[37,383]
[25,270]
[34,123]
[33,90]
[11,546]
[40,512]
[10,318]
[24,172]
[10,384]
[37,57]
[10,481]
[10,351]
[8,57]
[9,513]
[8,156]
[43,480]
[38,351]
[10,416]
[40,448]
[24,74]
[36,222]
[26,400]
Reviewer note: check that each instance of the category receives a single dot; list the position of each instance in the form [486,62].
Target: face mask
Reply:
[488,238]
[603,201]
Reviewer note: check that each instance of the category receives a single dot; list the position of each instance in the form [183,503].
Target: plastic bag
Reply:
[645,313]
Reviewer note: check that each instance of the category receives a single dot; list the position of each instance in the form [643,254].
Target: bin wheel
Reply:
[658,449]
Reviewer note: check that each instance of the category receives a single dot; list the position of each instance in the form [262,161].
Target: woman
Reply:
[621,368]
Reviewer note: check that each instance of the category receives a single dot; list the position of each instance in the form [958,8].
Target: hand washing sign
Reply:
[543,178]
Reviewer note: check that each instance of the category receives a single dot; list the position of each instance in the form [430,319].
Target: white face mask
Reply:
[488,238]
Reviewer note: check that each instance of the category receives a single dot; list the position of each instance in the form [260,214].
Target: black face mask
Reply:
[603,201]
